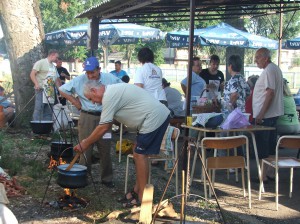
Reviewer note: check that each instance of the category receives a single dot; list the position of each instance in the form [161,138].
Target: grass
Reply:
[18,153]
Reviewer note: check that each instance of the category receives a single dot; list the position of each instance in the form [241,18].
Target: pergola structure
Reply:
[159,11]
[141,11]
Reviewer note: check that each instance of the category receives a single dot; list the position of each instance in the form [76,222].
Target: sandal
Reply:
[129,196]
[134,202]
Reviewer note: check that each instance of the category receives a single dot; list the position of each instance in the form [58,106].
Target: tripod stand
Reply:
[60,124]
[186,181]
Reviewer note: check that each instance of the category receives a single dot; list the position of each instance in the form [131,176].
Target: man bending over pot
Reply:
[135,108]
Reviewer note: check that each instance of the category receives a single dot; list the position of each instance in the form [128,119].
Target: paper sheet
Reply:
[107,136]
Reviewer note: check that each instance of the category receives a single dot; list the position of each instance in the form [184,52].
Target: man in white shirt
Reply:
[267,102]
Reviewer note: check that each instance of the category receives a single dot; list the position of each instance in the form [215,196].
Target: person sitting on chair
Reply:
[8,107]
[175,104]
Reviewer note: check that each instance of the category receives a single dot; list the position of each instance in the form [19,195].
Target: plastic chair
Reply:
[284,142]
[226,162]
[160,157]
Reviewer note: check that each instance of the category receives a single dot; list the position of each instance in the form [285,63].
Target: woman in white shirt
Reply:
[149,76]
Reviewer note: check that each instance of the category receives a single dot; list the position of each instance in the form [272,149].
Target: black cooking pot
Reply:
[76,177]
[61,149]
[41,127]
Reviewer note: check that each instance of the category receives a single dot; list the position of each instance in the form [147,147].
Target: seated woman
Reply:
[173,96]
[8,107]
[288,123]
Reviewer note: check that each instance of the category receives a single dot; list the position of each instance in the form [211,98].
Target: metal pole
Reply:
[280,34]
[189,80]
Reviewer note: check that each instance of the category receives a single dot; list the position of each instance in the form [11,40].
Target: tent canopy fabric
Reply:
[293,43]
[221,35]
[109,34]
[178,39]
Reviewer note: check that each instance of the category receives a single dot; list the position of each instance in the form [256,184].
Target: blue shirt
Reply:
[119,74]
[76,86]
[197,86]
[5,103]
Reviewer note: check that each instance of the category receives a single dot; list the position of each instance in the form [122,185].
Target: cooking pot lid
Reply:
[42,122]
[76,167]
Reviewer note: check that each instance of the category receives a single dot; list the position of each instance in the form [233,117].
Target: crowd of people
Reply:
[148,105]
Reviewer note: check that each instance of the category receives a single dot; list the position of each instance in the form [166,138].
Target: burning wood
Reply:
[68,192]
[69,201]
[54,162]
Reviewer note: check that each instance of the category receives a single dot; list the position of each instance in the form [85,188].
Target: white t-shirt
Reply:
[132,106]
[174,101]
[271,78]
[151,77]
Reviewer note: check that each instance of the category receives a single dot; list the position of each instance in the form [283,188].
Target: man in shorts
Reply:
[137,109]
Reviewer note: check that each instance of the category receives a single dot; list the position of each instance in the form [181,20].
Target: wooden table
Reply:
[250,129]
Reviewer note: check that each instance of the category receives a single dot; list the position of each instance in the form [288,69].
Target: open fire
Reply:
[54,163]
[69,201]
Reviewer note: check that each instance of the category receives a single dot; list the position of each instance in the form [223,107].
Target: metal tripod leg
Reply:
[47,187]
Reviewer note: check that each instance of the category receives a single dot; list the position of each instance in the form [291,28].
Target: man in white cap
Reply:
[90,115]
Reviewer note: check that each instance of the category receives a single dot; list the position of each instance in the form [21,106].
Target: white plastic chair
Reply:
[172,157]
[284,142]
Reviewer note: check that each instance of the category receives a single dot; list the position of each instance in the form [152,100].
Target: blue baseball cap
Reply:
[91,64]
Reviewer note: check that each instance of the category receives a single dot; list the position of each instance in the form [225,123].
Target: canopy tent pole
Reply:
[189,79]
[280,35]
[92,35]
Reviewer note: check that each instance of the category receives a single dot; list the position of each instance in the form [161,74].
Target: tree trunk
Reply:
[23,34]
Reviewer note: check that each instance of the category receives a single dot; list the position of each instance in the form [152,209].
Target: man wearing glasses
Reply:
[90,115]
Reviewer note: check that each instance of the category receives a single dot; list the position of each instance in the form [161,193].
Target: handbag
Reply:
[236,119]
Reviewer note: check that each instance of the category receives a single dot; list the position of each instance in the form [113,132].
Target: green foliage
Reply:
[60,14]
[78,52]
[156,47]
[296,62]
[268,26]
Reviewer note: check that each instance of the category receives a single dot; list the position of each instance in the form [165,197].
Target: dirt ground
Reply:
[102,200]
[38,204]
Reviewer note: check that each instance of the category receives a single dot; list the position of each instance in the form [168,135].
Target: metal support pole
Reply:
[280,34]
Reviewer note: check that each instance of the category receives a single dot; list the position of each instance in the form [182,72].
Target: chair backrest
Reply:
[224,142]
[289,141]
